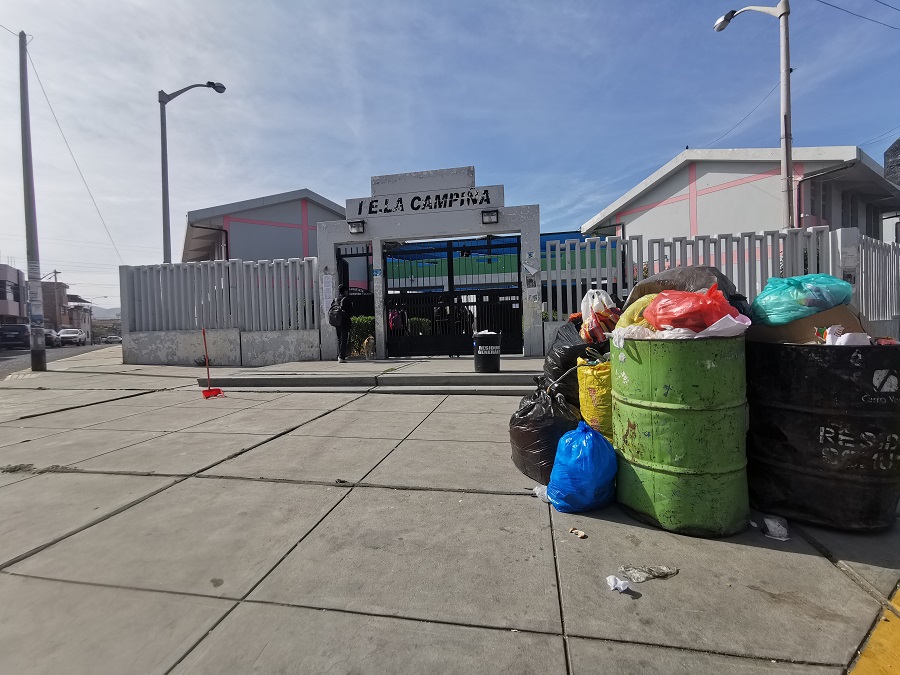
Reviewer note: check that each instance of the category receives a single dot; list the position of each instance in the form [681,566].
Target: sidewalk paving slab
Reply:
[71,447]
[236,401]
[53,627]
[13,435]
[765,598]
[254,421]
[10,478]
[273,639]
[499,405]
[77,418]
[45,507]
[174,453]
[412,403]
[309,458]
[159,399]
[875,556]
[596,657]
[463,427]
[214,537]
[467,465]
[164,419]
[362,424]
[464,558]
[305,401]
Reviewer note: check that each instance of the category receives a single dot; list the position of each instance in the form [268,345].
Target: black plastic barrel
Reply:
[487,352]
[823,445]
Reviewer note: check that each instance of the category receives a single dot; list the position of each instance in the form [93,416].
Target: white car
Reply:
[72,336]
[113,340]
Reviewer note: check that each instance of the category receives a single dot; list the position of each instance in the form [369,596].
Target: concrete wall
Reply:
[266,348]
[250,241]
[227,347]
[182,347]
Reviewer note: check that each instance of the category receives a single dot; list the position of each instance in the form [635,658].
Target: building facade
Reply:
[712,192]
[13,295]
[56,305]
[275,227]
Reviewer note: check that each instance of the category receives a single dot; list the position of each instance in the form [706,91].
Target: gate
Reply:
[439,293]
[354,266]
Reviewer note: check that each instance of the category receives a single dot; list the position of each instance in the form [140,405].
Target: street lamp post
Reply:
[164,98]
[91,315]
[780,12]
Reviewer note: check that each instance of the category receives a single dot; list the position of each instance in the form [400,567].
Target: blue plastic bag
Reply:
[786,300]
[584,473]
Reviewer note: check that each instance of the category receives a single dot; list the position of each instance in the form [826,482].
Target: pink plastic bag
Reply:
[684,309]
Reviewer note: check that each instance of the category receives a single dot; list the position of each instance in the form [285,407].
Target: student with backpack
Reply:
[339,315]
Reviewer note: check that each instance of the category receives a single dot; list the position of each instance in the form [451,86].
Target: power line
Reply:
[860,16]
[887,5]
[9,31]
[72,155]
[879,137]
[743,118]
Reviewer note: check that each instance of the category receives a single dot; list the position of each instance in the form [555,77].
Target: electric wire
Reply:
[879,137]
[887,5]
[72,155]
[743,118]
[860,16]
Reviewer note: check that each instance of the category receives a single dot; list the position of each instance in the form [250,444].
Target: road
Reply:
[14,360]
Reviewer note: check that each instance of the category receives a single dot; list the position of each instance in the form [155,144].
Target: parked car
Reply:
[15,336]
[72,336]
[51,338]
[113,340]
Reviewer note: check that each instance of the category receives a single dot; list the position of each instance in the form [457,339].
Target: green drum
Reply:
[679,429]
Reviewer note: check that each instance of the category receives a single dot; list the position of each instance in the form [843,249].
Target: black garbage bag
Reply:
[563,356]
[535,429]
[695,278]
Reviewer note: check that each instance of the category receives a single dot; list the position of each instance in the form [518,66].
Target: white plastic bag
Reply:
[596,300]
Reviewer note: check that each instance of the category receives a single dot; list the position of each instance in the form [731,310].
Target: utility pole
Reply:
[35,297]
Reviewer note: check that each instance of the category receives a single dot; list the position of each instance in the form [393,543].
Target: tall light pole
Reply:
[91,315]
[780,12]
[164,98]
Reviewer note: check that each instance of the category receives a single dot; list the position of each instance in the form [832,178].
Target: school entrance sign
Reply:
[442,258]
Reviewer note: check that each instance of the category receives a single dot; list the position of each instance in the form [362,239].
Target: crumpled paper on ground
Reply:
[775,527]
[617,584]
[639,574]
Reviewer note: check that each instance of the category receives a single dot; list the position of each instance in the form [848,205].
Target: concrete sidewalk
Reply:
[366,532]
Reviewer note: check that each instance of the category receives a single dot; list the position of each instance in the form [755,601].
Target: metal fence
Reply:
[616,264]
[269,295]
[878,288]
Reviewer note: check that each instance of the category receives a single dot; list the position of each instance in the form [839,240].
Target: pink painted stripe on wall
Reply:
[692,194]
[692,177]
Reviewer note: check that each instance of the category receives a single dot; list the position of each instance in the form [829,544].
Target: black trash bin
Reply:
[823,443]
[487,352]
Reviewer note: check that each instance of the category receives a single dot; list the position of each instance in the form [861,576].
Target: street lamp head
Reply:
[218,86]
[723,21]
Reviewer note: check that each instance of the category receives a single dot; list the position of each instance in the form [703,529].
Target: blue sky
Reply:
[567,103]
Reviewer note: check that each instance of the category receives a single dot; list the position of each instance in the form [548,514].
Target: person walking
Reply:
[343,327]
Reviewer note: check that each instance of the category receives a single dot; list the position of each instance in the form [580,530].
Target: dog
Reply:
[369,348]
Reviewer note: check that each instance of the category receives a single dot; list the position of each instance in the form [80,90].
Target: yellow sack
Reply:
[634,315]
[595,395]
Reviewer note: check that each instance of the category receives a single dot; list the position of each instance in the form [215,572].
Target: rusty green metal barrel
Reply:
[679,430]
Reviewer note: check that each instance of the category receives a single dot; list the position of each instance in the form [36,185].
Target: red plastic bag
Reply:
[684,309]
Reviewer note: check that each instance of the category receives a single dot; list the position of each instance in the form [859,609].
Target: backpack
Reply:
[336,313]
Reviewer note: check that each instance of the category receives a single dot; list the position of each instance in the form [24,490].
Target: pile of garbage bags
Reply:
[809,309]
[560,435]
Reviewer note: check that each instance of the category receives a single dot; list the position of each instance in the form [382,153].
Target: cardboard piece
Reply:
[803,331]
